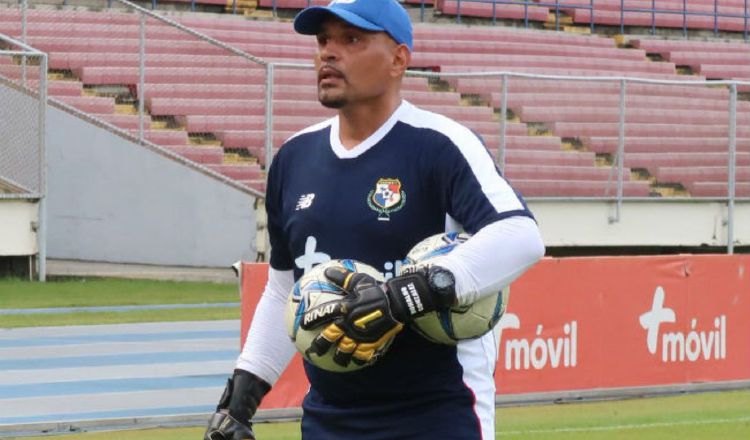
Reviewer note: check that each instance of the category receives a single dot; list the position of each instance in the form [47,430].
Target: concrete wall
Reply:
[112,200]
[17,234]
[656,222]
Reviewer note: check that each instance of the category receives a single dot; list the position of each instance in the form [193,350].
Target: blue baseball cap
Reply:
[373,15]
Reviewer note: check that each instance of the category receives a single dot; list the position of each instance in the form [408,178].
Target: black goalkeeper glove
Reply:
[363,324]
[237,405]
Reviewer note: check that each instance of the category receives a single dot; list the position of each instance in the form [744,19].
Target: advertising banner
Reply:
[602,322]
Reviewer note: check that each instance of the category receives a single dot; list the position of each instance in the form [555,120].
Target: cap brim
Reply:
[308,21]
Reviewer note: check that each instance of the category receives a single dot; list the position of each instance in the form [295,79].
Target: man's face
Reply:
[353,65]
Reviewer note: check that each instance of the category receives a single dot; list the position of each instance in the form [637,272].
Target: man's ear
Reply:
[401,60]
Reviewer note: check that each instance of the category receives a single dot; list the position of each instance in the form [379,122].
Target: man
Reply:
[369,184]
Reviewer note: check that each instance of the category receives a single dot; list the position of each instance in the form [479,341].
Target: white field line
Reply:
[625,427]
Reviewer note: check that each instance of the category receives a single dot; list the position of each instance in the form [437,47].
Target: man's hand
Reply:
[222,426]
[237,405]
[363,324]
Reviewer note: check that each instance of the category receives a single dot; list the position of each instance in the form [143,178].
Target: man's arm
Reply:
[268,349]
[267,352]
[493,257]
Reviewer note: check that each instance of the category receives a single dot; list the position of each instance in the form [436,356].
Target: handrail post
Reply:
[503,123]
[141,77]
[744,27]
[620,154]
[557,15]
[731,170]
[684,18]
[653,17]
[24,31]
[269,114]
[42,215]
[716,17]
[458,12]
[591,16]
[622,16]
[526,14]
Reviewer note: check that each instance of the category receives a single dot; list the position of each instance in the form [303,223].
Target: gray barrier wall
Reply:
[112,200]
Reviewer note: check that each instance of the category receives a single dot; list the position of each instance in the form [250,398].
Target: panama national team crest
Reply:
[386,198]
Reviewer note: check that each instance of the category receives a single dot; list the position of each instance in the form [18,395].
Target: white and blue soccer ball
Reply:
[459,322]
[314,289]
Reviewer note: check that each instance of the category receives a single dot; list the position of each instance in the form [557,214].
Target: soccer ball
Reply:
[314,289]
[467,322]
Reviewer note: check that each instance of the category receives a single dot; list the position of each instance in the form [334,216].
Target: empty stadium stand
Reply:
[208,105]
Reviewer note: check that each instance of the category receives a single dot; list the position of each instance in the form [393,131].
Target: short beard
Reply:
[331,102]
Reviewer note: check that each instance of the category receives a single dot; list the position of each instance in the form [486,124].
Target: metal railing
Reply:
[615,190]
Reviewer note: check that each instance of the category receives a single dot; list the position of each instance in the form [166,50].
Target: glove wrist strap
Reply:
[247,390]
[410,295]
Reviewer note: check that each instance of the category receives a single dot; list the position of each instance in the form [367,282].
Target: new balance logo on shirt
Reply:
[305,201]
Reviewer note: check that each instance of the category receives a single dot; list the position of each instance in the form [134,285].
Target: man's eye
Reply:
[354,39]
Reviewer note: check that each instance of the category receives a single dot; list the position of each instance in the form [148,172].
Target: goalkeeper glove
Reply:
[237,405]
[363,324]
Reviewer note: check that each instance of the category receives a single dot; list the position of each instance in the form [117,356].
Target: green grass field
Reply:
[89,292]
[704,416]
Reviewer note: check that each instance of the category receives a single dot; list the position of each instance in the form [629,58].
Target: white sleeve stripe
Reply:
[316,127]
[497,190]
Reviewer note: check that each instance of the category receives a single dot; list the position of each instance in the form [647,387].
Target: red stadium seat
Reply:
[607,129]
[486,9]
[717,189]
[632,115]
[205,155]
[664,144]
[238,172]
[557,172]
[579,188]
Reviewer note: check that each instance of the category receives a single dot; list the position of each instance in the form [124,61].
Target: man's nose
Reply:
[329,51]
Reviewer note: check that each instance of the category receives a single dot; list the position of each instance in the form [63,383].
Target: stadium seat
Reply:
[664,144]
[164,137]
[558,172]
[205,155]
[90,104]
[503,62]
[653,161]
[578,129]
[488,10]
[717,189]
[579,188]
[632,115]
[513,47]
[125,121]
[701,174]
[237,172]
[561,158]
[612,101]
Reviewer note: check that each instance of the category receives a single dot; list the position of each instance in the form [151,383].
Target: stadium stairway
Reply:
[209,107]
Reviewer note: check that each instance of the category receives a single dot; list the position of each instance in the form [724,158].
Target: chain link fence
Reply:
[22,116]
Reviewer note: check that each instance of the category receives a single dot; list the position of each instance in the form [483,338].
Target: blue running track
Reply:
[82,373]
